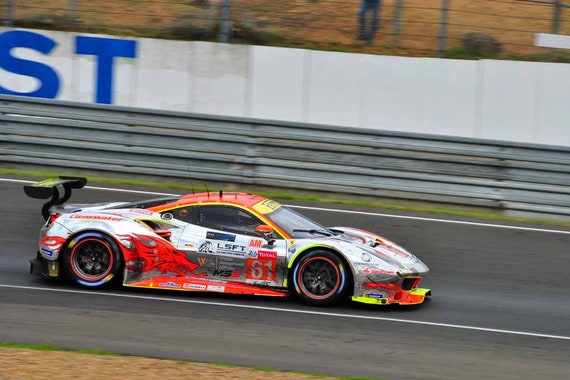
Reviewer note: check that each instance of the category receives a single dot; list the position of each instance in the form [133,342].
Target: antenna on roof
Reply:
[190,175]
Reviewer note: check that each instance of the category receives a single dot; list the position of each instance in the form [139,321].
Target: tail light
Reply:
[52,218]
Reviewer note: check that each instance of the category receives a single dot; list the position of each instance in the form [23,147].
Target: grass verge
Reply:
[305,196]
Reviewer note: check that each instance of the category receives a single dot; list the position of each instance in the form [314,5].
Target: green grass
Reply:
[281,194]
[48,347]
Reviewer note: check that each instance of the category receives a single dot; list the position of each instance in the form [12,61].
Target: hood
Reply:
[393,256]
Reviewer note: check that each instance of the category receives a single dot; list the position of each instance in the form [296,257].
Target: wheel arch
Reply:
[96,233]
[318,247]
[74,234]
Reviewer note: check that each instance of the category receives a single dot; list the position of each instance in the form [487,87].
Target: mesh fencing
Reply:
[405,27]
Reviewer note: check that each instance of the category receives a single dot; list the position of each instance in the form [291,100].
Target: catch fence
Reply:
[406,27]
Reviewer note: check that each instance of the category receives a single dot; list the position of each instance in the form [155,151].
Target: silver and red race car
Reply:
[218,242]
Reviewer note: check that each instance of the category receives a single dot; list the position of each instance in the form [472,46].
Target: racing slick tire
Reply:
[321,278]
[93,260]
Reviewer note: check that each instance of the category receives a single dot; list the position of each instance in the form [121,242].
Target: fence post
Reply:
[225,22]
[397,23]
[73,6]
[8,13]
[556,17]
[443,28]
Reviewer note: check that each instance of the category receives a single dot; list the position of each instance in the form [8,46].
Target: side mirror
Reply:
[266,231]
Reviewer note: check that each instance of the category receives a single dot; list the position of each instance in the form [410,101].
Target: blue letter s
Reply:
[45,74]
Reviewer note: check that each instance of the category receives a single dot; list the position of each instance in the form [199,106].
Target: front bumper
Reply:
[42,267]
[412,297]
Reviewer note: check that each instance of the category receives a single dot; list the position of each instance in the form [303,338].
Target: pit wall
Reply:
[490,99]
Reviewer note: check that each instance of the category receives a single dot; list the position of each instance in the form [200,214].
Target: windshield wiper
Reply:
[315,232]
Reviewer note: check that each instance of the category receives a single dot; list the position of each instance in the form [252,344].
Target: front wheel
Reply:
[92,260]
[321,278]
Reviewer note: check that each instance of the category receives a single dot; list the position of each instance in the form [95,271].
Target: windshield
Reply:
[291,222]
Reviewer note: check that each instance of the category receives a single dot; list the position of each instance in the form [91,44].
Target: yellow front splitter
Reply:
[413,297]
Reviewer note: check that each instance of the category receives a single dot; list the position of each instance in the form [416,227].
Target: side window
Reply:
[186,214]
[228,218]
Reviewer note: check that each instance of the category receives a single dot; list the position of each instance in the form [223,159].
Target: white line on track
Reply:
[436,220]
[285,310]
[491,225]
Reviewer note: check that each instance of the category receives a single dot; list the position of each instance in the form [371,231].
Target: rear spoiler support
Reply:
[49,189]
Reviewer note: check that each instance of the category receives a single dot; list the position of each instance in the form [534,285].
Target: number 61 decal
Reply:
[261,269]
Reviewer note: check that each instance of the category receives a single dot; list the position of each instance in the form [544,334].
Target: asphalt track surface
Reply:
[500,307]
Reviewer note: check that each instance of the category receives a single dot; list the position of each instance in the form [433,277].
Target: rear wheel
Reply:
[93,260]
[321,278]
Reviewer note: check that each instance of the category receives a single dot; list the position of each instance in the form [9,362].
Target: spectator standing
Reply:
[369,24]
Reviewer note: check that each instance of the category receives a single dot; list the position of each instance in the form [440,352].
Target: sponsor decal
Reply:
[206,247]
[366,257]
[141,211]
[255,243]
[205,263]
[371,271]
[366,265]
[96,217]
[220,236]
[266,206]
[183,213]
[261,254]
[261,283]
[252,253]
[215,288]
[190,245]
[230,263]
[169,284]
[194,286]
[47,252]
[226,273]
[374,295]
[231,249]
[261,269]
[167,216]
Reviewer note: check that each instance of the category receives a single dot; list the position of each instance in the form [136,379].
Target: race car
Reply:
[218,242]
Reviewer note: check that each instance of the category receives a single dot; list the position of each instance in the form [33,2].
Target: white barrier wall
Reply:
[503,100]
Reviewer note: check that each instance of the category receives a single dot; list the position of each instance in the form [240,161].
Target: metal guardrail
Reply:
[58,134]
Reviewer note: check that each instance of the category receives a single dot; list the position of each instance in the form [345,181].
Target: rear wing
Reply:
[50,188]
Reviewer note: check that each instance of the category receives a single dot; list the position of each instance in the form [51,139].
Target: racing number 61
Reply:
[261,269]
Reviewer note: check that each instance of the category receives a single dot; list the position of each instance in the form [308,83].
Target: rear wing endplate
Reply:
[50,188]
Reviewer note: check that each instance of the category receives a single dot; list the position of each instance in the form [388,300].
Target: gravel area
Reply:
[24,364]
